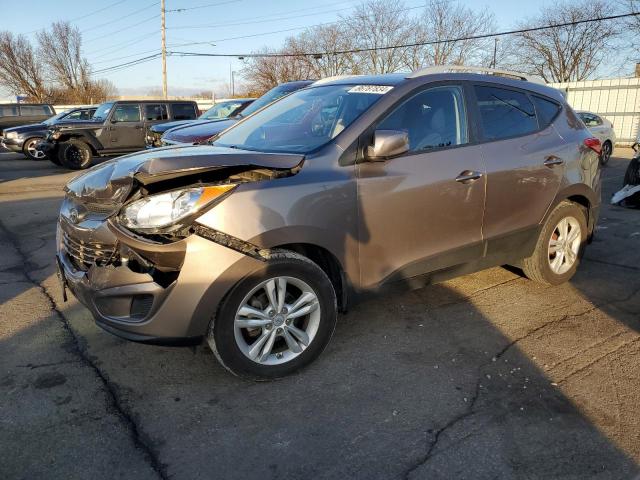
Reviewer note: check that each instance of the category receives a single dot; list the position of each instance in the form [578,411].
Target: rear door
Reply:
[34,113]
[524,156]
[155,113]
[417,212]
[184,111]
[126,127]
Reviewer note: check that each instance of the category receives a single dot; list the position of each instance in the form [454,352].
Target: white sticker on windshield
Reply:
[378,89]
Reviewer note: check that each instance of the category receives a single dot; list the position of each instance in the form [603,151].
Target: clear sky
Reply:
[126,30]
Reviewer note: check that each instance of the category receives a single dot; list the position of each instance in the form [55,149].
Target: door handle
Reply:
[138,127]
[552,161]
[111,128]
[468,176]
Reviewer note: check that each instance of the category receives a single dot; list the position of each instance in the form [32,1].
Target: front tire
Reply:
[29,149]
[276,320]
[560,246]
[75,154]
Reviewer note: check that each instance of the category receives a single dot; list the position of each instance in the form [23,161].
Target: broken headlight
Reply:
[163,212]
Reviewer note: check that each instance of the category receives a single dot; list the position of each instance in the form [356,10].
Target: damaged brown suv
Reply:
[350,186]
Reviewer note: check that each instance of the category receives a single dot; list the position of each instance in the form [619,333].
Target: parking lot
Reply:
[486,376]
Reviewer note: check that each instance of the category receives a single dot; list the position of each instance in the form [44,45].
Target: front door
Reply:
[422,211]
[126,128]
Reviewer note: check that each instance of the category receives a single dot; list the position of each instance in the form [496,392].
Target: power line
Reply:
[148,19]
[119,46]
[97,11]
[268,20]
[361,50]
[408,45]
[119,19]
[129,64]
[202,6]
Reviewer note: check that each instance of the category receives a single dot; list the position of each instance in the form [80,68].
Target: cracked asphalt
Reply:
[483,377]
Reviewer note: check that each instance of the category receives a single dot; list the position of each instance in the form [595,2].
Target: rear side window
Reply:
[127,113]
[184,111]
[34,110]
[155,112]
[589,119]
[434,118]
[505,113]
[8,111]
[546,110]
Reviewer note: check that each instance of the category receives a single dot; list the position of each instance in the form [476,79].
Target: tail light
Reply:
[594,144]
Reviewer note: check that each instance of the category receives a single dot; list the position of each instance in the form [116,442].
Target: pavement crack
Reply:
[138,438]
[433,443]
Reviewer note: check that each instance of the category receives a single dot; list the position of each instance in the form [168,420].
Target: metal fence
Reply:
[616,99]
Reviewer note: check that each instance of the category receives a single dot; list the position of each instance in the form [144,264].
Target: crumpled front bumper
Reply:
[13,144]
[144,306]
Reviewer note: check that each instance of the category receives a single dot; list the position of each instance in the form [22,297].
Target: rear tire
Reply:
[28,149]
[277,337]
[75,154]
[605,155]
[560,246]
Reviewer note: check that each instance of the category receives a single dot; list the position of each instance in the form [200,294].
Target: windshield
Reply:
[304,120]
[50,120]
[220,110]
[103,111]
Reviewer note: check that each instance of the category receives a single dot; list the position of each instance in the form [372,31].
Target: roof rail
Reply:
[471,69]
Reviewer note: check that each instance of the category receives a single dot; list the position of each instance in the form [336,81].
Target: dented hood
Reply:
[111,181]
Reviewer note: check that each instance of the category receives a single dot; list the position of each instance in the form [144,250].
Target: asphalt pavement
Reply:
[483,377]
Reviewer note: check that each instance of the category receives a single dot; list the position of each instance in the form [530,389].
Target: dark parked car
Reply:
[24,139]
[116,127]
[15,114]
[203,131]
[221,110]
[341,189]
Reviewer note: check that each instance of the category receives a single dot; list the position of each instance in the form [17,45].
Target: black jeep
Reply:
[116,128]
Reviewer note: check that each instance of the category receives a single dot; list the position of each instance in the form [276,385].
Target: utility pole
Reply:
[164,53]
[495,50]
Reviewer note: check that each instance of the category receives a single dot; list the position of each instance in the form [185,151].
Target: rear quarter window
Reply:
[504,113]
[184,111]
[34,110]
[8,111]
[546,110]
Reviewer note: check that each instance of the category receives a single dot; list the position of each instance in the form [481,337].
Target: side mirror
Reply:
[386,144]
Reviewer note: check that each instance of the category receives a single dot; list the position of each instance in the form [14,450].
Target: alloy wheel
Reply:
[277,320]
[33,152]
[606,153]
[564,245]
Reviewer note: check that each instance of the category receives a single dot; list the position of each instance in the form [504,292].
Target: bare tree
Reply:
[20,72]
[376,25]
[331,38]
[60,50]
[443,20]
[265,72]
[566,53]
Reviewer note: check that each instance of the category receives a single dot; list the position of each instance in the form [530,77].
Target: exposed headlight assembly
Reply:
[163,212]
[12,135]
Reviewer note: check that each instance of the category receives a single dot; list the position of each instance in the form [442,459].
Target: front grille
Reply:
[84,254]
[100,208]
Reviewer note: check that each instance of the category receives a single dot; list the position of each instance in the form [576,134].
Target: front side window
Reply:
[102,112]
[304,120]
[127,113]
[76,115]
[434,118]
[154,113]
[505,113]
[183,111]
